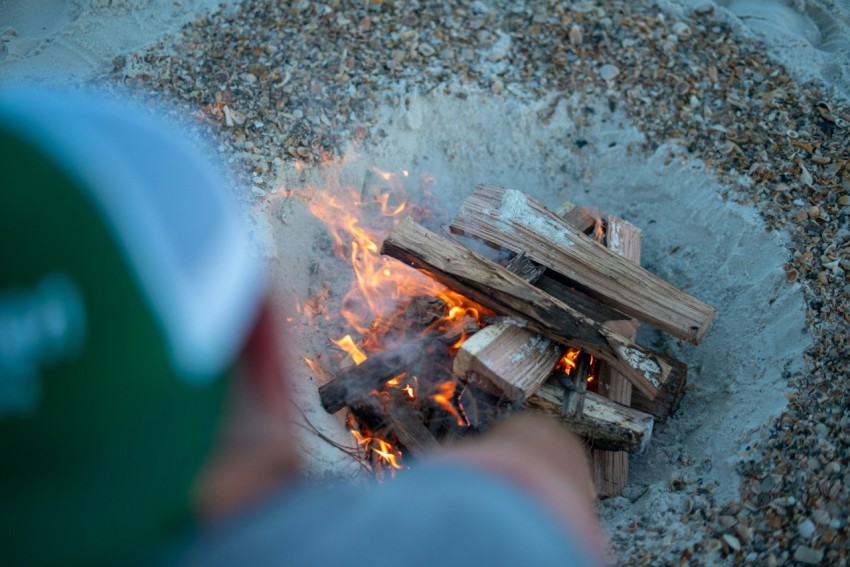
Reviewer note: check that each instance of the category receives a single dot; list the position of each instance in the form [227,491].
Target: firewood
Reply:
[669,396]
[611,468]
[495,287]
[404,421]
[524,267]
[356,383]
[583,219]
[603,423]
[512,220]
[514,359]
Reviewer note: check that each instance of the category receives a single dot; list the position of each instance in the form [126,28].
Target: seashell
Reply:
[792,134]
[805,176]
[733,542]
[427,49]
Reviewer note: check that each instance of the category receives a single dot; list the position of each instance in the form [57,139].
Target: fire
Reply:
[357,221]
[346,343]
[443,397]
[408,388]
[568,361]
[387,453]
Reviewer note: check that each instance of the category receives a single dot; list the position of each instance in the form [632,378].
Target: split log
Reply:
[524,267]
[611,468]
[512,220]
[669,396]
[583,219]
[493,286]
[603,423]
[516,360]
[405,423]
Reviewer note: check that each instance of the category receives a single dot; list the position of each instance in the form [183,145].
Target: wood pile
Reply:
[569,281]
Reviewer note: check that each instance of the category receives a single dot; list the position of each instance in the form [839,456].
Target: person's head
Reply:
[129,294]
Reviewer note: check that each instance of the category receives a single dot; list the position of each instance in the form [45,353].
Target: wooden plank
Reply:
[512,220]
[515,360]
[493,286]
[603,423]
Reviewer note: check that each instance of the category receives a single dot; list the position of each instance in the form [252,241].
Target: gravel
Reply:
[274,82]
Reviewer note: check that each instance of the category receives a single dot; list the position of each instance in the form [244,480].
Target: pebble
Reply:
[806,529]
[608,72]
[807,555]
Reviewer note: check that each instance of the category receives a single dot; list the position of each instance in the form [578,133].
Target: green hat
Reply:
[127,289]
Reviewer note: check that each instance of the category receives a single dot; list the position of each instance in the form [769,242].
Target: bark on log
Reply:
[495,287]
[603,423]
[512,220]
[516,360]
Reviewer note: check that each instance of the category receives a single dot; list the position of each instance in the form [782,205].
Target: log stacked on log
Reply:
[560,290]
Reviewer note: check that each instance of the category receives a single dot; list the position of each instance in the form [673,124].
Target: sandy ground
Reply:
[723,256]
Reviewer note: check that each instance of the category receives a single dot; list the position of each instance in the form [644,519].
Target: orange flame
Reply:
[443,397]
[568,361]
[357,225]
[346,343]
[387,453]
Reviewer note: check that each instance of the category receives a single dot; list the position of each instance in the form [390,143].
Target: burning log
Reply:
[513,359]
[605,424]
[512,220]
[405,422]
[497,288]
[575,388]
[355,383]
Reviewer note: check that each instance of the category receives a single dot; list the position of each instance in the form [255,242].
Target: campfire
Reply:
[509,307]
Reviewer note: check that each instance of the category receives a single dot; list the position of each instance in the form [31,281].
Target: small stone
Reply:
[844,199]
[608,72]
[732,542]
[249,78]
[805,554]
[806,528]
[814,212]
[821,517]
[833,467]
[427,49]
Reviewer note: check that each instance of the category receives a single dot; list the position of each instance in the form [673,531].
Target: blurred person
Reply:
[144,414]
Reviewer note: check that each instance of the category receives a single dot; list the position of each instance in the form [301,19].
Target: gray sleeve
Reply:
[430,515]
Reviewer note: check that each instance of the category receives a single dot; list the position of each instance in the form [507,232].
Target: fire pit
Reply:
[690,237]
